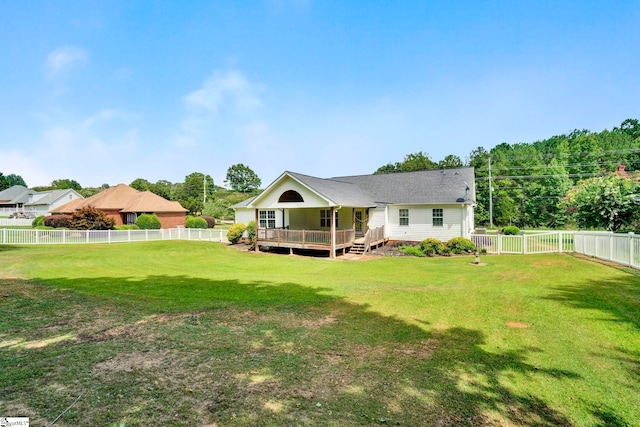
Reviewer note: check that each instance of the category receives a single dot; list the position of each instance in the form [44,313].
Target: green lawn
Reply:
[197,333]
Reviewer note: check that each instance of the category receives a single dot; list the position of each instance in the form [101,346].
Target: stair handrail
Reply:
[367,240]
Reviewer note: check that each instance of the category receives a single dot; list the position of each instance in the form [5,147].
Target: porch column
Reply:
[333,232]
[257,249]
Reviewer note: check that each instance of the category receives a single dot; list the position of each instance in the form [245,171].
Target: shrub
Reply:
[38,221]
[57,221]
[431,246]
[148,222]
[411,250]
[127,227]
[510,230]
[211,221]
[195,222]
[235,232]
[90,218]
[461,245]
[251,231]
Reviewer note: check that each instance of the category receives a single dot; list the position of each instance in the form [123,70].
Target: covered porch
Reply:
[318,240]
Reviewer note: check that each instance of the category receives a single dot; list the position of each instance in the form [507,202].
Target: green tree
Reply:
[242,179]
[140,184]
[162,188]
[92,191]
[412,162]
[220,207]
[450,162]
[609,202]
[63,184]
[192,193]
[13,179]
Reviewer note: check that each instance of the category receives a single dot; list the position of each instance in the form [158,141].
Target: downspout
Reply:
[257,249]
[463,223]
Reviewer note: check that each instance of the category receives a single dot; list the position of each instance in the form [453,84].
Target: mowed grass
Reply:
[197,333]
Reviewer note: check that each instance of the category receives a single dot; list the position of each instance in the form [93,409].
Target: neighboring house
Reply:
[12,199]
[124,204]
[20,199]
[297,211]
[45,202]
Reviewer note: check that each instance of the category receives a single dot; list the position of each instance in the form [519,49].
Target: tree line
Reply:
[198,193]
[581,179]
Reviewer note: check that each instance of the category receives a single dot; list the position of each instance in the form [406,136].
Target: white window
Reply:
[438,218]
[267,219]
[325,218]
[404,217]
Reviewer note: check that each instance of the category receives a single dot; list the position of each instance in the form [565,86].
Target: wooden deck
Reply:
[304,239]
[318,239]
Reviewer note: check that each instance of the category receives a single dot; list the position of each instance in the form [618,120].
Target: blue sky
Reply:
[109,91]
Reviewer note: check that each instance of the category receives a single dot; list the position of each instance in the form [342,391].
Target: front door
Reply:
[360,222]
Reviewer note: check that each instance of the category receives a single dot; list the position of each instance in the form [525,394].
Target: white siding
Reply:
[244,215]
[270,199]
[376,217]
[421,223]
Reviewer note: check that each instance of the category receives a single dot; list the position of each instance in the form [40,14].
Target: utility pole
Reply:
[490,197]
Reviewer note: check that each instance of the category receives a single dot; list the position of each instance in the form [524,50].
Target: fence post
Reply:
[109,236]
[37,236]
[146,235]
[631,249]
[220,236]
[499,244]
[610,245]
[4,235]
[560,242]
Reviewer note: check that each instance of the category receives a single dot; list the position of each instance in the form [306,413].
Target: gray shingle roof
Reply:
[338,191]
[47,197]
[14,194]
[423,187]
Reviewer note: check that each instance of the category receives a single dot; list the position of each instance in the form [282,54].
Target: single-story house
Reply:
[358,212]
[20,199]
[124,204]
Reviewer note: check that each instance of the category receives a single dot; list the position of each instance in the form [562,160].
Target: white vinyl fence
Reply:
[15,222]
[37,237]
[622,249]
[619,248]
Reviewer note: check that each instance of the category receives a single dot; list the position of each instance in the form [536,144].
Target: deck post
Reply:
[333,232]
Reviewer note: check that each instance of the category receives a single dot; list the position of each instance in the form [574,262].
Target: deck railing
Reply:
[304,237]
[373,236]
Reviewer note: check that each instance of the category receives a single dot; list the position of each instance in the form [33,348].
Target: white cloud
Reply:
[65,58]
[229,92]
[107,114]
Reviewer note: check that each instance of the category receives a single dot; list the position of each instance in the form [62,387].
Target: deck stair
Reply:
[358,247]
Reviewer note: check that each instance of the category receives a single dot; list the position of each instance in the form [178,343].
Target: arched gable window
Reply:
[290,196]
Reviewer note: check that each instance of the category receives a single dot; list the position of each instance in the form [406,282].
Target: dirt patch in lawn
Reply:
[131,361]
[517,325]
